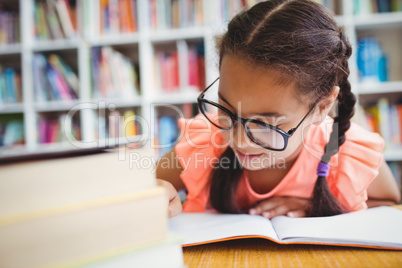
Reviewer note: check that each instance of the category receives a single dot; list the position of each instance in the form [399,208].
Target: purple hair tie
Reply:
[322,169]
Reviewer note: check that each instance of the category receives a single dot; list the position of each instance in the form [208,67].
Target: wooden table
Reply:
[257,252]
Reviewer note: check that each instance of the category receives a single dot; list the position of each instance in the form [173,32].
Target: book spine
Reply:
[65,18]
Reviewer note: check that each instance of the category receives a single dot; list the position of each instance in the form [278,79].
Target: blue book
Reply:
[9,74]
[167,133]
[51,78]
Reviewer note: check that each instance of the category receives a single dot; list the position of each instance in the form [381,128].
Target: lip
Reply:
[247,157]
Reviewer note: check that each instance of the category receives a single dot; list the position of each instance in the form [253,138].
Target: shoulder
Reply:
[199,147]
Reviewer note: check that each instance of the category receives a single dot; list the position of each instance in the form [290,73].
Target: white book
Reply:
[378,227]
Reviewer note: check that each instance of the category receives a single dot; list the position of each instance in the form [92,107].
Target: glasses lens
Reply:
[217,116]
[266,136]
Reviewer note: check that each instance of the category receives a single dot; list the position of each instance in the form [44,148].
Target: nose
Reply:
[240,138]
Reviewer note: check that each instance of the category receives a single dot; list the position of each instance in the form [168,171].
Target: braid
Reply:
[323,202]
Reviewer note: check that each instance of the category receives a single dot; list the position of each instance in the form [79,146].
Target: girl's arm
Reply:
[168,168]
[168,171]
[383,191]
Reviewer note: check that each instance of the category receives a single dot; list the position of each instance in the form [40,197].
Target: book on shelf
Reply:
[114,75]
[10,86]
[180,70]
[122,124]
[55,19]
[372,228]
[372,62]
[118,16]
[53,79]
[9,27]
[86,216]
[166,133]
[11,130]
[386,119]
[52,129]
[175,14]
[366,7]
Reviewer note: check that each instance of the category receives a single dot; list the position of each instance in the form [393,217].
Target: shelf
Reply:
[177,34]
[51,45]
[120,39]
[393,155]
[6,49]
[120,103]
[11,108]
[55,106]
[179,97]
[379,88]
[379,20]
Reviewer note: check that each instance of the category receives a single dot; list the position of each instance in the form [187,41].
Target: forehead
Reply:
[259,90]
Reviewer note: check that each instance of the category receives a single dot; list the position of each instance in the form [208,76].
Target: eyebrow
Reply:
[262,114]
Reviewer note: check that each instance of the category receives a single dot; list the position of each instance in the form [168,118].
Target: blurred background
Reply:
[94,71]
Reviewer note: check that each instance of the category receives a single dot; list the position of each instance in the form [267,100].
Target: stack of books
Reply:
[98,210]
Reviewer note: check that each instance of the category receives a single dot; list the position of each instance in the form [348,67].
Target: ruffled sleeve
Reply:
[359,160]
[198,149]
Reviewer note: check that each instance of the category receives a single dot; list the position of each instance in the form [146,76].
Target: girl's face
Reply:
[256,93]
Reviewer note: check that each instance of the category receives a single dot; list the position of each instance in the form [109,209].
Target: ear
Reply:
[326,105]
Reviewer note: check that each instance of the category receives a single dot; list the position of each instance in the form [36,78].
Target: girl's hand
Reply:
[174,199]
[281,205]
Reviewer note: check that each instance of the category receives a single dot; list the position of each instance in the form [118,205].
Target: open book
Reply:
[379,227]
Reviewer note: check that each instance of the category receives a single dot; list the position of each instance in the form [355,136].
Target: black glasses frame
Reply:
[243,121]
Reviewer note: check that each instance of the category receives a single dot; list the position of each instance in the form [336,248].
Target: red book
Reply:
[129,18]
[399,107]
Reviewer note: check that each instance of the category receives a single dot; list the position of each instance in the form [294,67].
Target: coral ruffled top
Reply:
[351,170]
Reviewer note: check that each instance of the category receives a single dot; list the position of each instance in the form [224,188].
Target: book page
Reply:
[200,228]
[380,226]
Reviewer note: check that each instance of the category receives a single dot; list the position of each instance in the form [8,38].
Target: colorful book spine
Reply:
[11,130]
[113,75]
[10,86]
[167,134]
[55,19]
[167,68]
[52,129]
[53,79]
[366,7]
[9,27]
[176,14]
[117,16]
[385,119]
[372,61]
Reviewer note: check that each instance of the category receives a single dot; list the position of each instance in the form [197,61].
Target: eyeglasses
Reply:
[261,133]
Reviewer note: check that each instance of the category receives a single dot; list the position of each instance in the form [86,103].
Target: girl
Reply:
[264,143]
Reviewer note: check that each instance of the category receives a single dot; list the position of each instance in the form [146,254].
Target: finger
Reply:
[175,206]
[280,210]
[297,213]
[266,205]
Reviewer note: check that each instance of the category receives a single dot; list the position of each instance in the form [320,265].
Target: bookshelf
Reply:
[149,30]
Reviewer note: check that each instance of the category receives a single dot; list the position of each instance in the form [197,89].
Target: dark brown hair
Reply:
[301,39]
